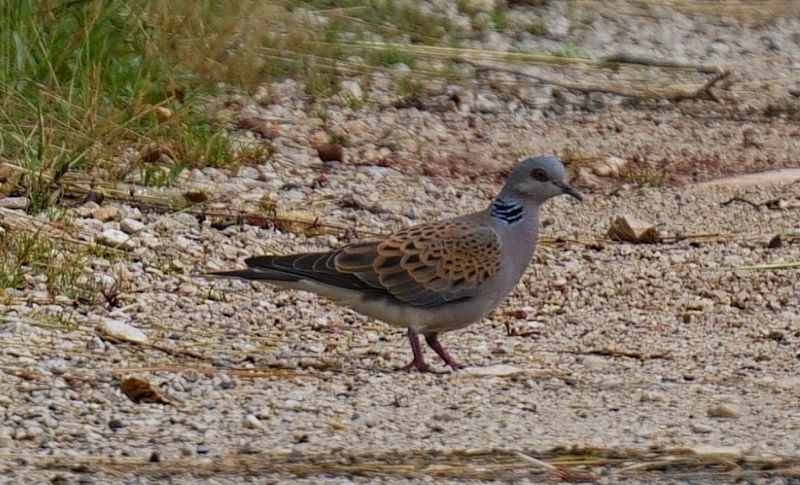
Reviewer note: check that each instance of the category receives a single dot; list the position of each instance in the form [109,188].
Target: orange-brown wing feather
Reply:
[426,265]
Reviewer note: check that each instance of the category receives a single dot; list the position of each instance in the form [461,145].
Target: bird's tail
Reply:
[254,274]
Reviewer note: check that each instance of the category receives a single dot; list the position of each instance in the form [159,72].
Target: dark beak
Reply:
[565,188]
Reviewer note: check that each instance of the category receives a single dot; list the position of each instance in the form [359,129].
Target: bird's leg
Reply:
[419,361]
[433,342]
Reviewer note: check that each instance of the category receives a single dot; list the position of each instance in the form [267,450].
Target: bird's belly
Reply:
[444,318]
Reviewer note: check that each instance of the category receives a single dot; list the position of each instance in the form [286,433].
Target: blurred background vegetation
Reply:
[83,81]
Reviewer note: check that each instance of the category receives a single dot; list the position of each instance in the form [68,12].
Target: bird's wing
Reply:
[426,265]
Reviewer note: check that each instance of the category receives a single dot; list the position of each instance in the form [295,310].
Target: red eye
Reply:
[539,175]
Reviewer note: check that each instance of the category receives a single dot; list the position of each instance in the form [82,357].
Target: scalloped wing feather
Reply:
[426,265]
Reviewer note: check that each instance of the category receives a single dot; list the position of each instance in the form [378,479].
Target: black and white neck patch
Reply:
[509,212]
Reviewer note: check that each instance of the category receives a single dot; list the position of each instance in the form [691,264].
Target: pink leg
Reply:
[433,342]
[419,361]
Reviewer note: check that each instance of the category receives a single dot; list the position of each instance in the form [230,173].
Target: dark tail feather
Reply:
[252,274]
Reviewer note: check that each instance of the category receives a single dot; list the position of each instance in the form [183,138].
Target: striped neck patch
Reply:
[509,212]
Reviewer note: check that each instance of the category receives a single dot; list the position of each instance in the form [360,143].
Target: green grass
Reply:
[408,86]
[394,20]
[500,18]
[389,57]
[570,51]
[26,255]
[538,29]
[79,81]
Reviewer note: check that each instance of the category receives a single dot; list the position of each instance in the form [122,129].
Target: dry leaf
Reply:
[330,152]
[139,390]
[195,196]
[162,113]
[258,126]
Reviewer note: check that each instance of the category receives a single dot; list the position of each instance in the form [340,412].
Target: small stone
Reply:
[400,67]
[730,452]
[248,172]
[92,224]
[228,310]
[96,344]
[106,213]
[609,167]
[187,288]
[186,219]
[19,203]
[630,229]
[724,411]
[558,26]
[252,422]
[17,327]
[652,396]
[131,226]
[114,238]
[249,449]
[190,375]
[701,428]
[86,209]
[379,172]
[123,331]
[56,366]
[488,103]
[224,381]
[351,89]
[497,370]
[595,362]
[116,424]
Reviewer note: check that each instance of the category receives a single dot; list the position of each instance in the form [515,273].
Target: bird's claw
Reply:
[418,366]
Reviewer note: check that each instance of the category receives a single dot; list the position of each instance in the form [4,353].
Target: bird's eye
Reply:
[539,175]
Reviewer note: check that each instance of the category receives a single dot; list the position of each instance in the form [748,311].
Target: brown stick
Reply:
[703,91]
[646,61]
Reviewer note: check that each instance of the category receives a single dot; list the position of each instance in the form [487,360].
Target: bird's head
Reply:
[538,179]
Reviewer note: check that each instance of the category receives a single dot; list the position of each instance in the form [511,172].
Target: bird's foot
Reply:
[454,365]
[418,366]
[419,361]
[433,342]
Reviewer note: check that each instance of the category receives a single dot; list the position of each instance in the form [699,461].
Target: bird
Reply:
[433,277]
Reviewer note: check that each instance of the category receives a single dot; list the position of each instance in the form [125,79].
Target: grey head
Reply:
[537,179]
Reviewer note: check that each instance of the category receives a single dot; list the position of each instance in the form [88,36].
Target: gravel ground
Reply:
[615,353]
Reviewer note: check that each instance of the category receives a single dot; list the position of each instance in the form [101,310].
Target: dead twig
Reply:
[705,89]
[564,473]
[174,351]
[740,199]
[631,354]
[210,371]
[624,58]
[648,92]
